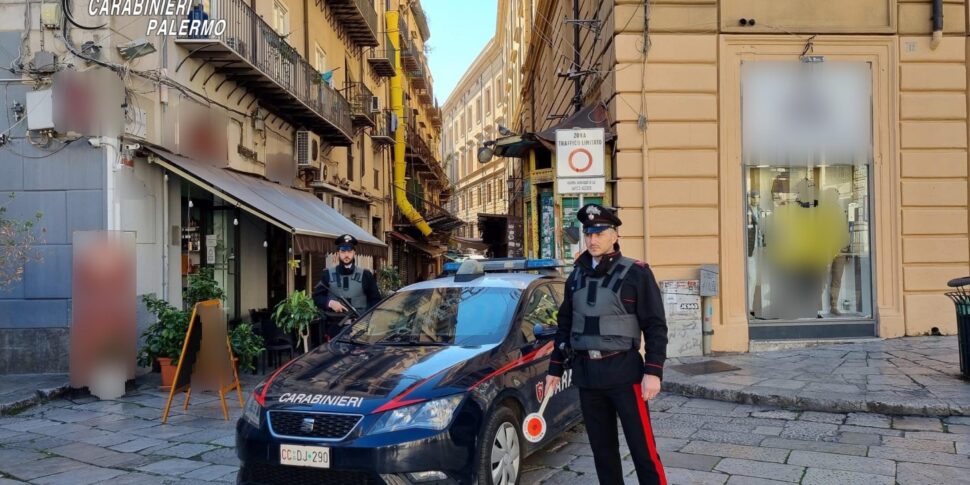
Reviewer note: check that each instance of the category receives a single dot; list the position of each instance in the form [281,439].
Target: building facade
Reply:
[816,154]
[479,105]
[244,150]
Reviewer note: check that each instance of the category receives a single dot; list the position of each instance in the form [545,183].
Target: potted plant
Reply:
[202,286]
[246,345]
[295,313]
[163,339]
[388,279]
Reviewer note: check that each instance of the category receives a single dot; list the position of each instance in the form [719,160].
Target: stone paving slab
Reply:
[910,376]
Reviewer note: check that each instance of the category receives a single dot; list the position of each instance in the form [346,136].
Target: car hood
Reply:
[345,377]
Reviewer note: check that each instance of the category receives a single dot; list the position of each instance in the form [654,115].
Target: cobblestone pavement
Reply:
[84,441]
[904,376]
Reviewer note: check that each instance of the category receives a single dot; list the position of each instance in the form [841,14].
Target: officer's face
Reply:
[346,257]
[601,242]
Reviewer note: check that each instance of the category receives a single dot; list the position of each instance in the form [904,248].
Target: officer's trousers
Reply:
[600,410]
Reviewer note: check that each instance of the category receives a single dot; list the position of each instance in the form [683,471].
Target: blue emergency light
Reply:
[507,264]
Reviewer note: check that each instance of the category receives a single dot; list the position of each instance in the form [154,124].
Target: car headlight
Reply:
[434,414]
[252,411]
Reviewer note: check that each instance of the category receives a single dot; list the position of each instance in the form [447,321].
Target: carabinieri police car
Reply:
[428,387]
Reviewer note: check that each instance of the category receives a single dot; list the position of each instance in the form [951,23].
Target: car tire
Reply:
[500,450]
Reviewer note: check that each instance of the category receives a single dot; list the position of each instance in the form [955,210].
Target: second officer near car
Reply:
[348,280]
[612,304]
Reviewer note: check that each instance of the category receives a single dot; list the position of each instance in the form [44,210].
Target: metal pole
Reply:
[577,79]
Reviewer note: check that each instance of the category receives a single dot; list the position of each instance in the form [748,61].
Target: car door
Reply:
[540,311]
[570,396]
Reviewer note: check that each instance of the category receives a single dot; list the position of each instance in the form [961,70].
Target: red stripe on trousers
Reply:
[648,434]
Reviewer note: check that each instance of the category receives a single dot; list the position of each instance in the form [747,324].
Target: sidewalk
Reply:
[20,391]
[903,376]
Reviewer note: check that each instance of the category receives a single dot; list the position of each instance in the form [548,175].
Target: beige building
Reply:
[473,113]
[817,154]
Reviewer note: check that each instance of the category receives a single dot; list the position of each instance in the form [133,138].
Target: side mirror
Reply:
[544,331]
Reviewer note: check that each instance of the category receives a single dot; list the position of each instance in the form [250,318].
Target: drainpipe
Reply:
[937,24]
[397,105]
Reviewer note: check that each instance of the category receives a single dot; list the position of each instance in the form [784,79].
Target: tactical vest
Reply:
[600,321]
[349,287]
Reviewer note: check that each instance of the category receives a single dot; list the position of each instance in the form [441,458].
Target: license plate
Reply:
[309,456]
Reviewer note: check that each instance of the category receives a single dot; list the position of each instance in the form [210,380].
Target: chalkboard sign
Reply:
[206,358]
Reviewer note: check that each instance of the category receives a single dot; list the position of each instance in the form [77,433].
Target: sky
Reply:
[459,31]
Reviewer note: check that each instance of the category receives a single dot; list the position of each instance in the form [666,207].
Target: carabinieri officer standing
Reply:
[612,304]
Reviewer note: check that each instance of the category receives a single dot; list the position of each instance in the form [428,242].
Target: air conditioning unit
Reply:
[307,149]
[375,104]
[338,204]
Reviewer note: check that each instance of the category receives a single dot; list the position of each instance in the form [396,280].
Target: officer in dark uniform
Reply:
[612,303]
[348,280]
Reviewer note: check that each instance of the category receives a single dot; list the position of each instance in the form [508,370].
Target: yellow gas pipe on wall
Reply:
[397,105]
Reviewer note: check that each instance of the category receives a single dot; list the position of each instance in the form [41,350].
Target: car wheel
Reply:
[500,450]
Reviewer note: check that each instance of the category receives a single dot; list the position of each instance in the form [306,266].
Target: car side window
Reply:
[540,309]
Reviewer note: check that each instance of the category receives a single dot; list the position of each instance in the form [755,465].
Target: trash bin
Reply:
[961,299]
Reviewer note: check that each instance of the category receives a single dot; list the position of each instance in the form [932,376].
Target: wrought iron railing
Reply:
[252,39]
[361,99]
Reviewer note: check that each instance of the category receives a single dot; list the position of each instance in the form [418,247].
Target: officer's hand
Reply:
[649,387]
[552,382]
[336,306]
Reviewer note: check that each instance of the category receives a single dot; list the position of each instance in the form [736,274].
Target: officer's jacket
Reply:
[355,284]
[624,293]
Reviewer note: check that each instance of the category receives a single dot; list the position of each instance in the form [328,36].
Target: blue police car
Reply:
[428,387]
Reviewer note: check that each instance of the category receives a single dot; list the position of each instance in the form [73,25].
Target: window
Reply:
[540,310]
[281,18]
[454,316]
[350,162]
[479,201]
[488,101]
[488,191]
[478,111]
[319,59]
[498,90]
[377,178]
[363,159]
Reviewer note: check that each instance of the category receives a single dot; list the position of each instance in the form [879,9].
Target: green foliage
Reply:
[202,286]
[246,345]
[17,241]
[388,279]
[163,338]
[295,313]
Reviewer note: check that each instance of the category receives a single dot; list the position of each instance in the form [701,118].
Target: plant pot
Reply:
[108,381]
[168,371]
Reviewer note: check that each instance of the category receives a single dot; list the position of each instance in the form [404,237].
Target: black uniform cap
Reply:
[346,242]
[596,218]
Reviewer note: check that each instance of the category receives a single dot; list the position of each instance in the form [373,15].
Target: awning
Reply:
[313,223]
[593,116]
[472,243]
[518,146]
[433,251]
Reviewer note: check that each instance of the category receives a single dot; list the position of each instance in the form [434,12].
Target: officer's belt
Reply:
[597,355]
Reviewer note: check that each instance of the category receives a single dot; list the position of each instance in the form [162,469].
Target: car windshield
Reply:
[439,316]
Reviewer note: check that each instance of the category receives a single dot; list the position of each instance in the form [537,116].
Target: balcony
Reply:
[359,20]
[422,158]
[363,111]
[434,115]
[418,79]
[409,59]
[255,58]
[382,134]
[425,96]
[381,59]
